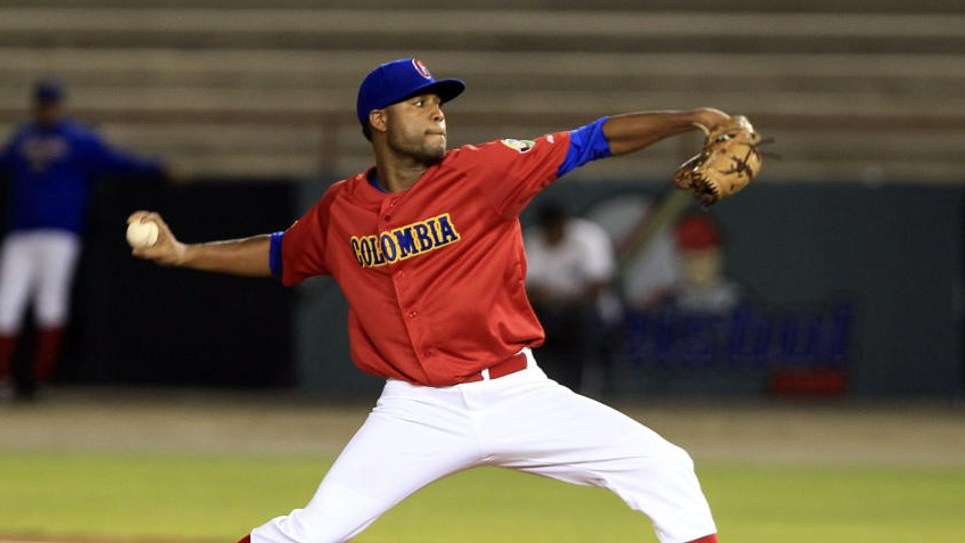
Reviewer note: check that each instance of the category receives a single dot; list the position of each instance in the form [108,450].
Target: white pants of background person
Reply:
[37,266]
[523,421]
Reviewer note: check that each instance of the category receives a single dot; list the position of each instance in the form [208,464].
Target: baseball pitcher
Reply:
[427,247]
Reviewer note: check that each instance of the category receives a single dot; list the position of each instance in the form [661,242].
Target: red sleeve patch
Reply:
[510,172]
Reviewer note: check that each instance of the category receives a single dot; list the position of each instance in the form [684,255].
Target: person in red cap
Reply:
[427,247]
[702,286]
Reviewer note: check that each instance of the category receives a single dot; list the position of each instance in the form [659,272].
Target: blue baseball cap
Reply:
[397,80]
[49,91]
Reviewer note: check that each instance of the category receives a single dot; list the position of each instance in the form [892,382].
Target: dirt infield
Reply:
[130,420]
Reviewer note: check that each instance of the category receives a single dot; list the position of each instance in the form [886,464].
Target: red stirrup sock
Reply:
[48,347]
[8,344]
[246,539]
[712,538]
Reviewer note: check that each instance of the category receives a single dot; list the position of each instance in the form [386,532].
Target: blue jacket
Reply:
[52,170]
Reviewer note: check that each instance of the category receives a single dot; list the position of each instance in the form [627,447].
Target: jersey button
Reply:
[429,353]
[412,314]
[393,201]
[386,217]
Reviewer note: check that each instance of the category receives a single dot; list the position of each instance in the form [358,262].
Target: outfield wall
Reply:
[135,323]
[853,276]
[845,276]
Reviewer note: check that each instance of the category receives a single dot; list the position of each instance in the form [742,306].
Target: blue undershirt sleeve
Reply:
[274,255]
[586,143]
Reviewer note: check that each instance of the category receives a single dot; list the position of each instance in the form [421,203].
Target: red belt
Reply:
[510,365]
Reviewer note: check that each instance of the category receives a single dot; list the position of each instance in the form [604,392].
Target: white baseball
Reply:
[142,234]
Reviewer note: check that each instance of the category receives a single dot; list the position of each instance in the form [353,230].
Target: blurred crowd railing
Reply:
[850,90]
[331,142]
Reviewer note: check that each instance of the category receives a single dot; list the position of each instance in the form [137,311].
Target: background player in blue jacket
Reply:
[51,163]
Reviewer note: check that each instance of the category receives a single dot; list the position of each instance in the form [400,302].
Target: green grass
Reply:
[221,498]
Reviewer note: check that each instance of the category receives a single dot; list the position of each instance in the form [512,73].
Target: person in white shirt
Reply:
[571,264]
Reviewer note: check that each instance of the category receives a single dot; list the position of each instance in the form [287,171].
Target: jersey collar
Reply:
[369,189]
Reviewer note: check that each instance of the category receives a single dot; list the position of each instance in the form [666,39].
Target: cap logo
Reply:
[421,68]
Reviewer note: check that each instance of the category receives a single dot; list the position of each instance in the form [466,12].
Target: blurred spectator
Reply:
[571,264]
[51,163]
[702,286]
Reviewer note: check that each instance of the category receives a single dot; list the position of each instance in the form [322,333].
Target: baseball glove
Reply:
[727,163]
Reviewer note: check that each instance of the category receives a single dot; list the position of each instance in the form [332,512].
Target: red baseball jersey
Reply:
[434,274]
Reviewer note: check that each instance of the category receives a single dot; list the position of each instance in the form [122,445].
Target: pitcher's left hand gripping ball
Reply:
[726,165]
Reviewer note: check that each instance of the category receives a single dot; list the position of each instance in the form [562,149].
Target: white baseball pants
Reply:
[523,421]
[40,265]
